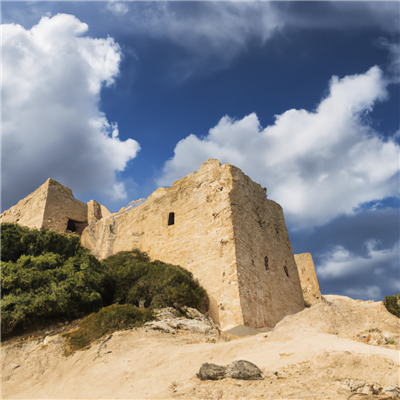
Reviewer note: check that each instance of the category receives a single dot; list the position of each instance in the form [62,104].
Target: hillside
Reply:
[339,349]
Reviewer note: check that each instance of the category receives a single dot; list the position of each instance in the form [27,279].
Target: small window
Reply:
[286,271]
[266,263]
[71,226]
[171,218]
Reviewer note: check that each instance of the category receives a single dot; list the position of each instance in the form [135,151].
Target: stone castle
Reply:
[215,222]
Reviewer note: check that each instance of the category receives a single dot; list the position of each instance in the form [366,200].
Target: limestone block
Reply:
[308,278]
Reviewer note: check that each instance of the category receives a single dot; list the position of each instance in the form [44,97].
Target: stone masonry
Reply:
[308,278]
[215,222]
[52,206]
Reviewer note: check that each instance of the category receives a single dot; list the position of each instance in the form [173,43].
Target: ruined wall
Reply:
[269,283]
[49,207]
[62,206]
[200,240]
[308,278]
[223,229]
[215,222]
[28,211]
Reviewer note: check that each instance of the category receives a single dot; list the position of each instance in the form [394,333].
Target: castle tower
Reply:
[52,206]
[218,224]
[215,222]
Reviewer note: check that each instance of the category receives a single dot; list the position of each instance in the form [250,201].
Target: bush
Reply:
[47,276]
[107,320]
[392,304]
[131,277]
[53,277]
[18,240]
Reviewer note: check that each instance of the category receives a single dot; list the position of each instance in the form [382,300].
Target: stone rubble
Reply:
[373,388]
[170,320]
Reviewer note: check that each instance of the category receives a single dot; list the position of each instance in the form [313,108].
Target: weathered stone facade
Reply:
[308,278]
[215,222]
[52,206]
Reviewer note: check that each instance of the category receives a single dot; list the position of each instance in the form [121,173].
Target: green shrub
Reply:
[53,277]
[18,240]
[392,304]
[47,276]
[131,277]
[107,320]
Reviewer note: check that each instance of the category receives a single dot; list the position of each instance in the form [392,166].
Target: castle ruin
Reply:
[216,222]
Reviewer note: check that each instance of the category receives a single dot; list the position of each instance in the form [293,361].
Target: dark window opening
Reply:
[171,219]
[71,226]
[286,271]
[266,263]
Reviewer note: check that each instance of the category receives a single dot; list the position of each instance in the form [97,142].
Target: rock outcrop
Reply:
[169,321]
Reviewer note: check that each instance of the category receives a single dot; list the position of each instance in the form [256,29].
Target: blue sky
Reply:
[114,99]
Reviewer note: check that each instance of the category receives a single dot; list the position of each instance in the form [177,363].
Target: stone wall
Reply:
[216,223]
[223,229]
[200,240]
[49,207]
[28,211]
[62,206]
[308,278]
[268,279]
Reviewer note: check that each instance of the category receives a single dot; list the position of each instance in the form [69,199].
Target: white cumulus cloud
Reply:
[52,124]
[316,164]
[340,262]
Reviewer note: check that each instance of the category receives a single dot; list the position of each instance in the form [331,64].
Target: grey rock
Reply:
[243,370]
[212,372]
[237,370]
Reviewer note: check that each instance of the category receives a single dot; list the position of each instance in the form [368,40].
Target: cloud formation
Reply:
[317,164]
[52,124]
[372,276]
[212,34]
[340,262]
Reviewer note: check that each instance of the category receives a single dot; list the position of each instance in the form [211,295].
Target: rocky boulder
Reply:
[170,320]
[211,372]
[241,369]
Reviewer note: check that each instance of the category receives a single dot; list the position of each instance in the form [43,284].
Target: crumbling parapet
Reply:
[308,278]
[52,206]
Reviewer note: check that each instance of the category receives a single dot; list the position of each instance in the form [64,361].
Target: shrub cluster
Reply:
[108,320]
[47,276]
[130,277]
[392,304]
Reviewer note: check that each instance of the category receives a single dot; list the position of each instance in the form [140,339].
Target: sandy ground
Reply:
[315,354]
